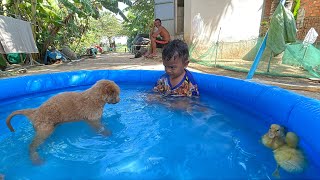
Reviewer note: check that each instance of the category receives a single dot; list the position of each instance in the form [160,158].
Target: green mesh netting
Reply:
[253,52]
[203,53]
[307,57]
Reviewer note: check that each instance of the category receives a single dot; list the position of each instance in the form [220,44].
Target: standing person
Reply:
[177,81]
[158,36]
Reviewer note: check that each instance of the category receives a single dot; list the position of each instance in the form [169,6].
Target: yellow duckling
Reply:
[288,157]
[274,138]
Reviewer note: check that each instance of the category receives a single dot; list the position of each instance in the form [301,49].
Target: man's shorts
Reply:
[160,43]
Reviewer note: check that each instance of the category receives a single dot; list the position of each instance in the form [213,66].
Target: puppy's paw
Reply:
[36,160]
[106,133]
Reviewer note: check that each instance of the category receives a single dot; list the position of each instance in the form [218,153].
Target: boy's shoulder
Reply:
[163,76]
[190,77]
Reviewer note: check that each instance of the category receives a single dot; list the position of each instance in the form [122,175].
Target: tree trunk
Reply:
[33,17]
[53,33]
[16,9]
[1,8]
[33,24]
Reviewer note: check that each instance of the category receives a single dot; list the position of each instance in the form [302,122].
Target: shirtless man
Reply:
[164,38]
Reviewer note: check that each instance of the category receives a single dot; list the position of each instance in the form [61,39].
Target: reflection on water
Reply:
[152,136]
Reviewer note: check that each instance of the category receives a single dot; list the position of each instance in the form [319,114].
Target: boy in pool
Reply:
[177,81]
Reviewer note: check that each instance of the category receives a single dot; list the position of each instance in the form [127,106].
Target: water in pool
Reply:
[212,139]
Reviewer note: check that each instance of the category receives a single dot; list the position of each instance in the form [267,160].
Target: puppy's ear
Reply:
[105,88]
[109,88]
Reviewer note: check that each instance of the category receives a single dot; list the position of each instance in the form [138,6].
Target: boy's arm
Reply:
[161,85]
[158,86]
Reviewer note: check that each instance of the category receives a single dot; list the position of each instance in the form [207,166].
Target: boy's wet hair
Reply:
[176,49]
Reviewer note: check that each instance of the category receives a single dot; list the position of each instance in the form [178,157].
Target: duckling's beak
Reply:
[271,135]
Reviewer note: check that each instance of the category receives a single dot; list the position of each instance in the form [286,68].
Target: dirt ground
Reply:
[306,87]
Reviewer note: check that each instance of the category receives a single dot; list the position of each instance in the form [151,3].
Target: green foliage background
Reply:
[140,19]
[66,22]
[80,23]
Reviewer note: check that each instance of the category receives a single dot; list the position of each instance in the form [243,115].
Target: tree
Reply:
[107,25]
[82,9]
[53,18]
[140,18]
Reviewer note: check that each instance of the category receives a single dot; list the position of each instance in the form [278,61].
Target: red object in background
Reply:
[99,48]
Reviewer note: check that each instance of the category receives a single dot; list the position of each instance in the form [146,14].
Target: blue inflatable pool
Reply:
[298,113]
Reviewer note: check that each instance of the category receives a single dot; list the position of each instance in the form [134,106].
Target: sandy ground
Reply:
[302,86]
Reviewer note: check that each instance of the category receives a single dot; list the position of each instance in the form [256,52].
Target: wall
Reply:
[311,19]
[187,21]
[238,19]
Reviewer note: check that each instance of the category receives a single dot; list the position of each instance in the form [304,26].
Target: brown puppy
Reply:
[69,106]
[274,138]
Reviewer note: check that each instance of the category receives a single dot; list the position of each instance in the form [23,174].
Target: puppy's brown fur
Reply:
[69,106]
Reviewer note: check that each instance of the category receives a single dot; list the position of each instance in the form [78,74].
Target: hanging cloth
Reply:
[16,36]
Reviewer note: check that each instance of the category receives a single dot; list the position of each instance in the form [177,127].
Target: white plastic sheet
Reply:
[311,37]
[197,26]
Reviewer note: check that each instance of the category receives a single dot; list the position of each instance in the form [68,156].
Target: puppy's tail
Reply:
[26,112]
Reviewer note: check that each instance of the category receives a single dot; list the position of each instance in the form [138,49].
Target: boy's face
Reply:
[175,67]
